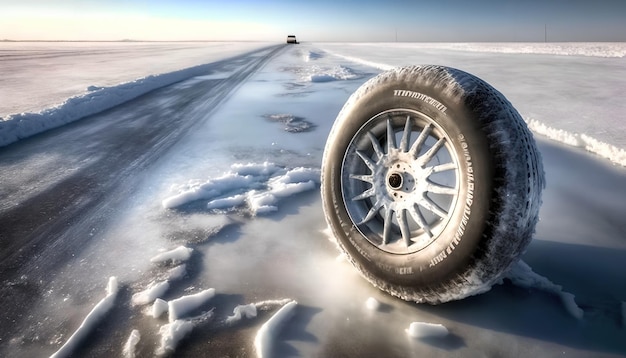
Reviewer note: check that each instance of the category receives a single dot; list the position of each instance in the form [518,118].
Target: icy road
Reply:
[187,222]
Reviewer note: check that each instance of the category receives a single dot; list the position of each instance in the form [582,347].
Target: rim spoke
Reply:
[428,156]
[370,214]
[419,219]
[444,167]
[406,136]
[417,146]
[429,205]
[364,195]
[440,189]
[387,226]
[365,178]
[404,227]
[391,137]
[376,145]
[370,164]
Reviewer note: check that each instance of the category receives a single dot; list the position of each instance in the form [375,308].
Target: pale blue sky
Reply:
[323,20]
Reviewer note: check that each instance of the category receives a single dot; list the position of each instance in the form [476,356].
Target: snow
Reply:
[242,311]
[605,150]
[176,255]
[372,304]
[171,334]
[158,308]
[178,328]
[260,186]
[426,330]
[233,196]
[179,307]
[132,72]
[130,347]
[154,291]
[538,94]
[91,321]
[177,272]
[263,341]
[522,275]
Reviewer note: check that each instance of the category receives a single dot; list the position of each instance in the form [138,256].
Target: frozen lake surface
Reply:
[224,229]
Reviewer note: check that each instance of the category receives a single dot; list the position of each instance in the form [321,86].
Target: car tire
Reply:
[431,183]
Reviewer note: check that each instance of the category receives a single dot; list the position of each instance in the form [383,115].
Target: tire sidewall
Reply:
[456,248]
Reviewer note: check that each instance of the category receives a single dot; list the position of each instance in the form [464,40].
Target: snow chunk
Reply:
[210,189]
[259,186]
[90,322]
[229,202]
[372,304]
[336,73]
[182,305]
[179,254]
[173,332]
[241,311]
[158,308]
[424,330]
[265,335]
[522,275]
[130,347]
[177,272]
[154,291]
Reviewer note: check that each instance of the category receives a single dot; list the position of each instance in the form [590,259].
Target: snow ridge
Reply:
[265,335]
[91,320]
[605,150]
[522,275]
[23,125]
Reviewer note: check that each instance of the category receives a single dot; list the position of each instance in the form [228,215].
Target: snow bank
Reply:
[23,125]
[522,275]
[176,255]
[588,49]
[591,49]
[257,186]
[605,150]
[424,330]
[89,323]
[267,332]
[130,347]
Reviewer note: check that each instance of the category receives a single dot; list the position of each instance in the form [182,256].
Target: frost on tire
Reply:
[431,183]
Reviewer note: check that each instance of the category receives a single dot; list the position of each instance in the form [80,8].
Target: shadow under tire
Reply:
[431,183]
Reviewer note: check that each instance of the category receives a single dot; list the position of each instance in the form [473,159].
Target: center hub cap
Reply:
[395,181]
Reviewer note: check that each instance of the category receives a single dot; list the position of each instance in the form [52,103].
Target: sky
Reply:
[319,20]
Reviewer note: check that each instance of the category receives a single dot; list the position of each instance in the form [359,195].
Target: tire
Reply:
[442,208]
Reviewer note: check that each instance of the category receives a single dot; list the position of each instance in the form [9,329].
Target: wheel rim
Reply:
[400,180]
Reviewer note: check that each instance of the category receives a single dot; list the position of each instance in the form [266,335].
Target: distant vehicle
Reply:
[291,39]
